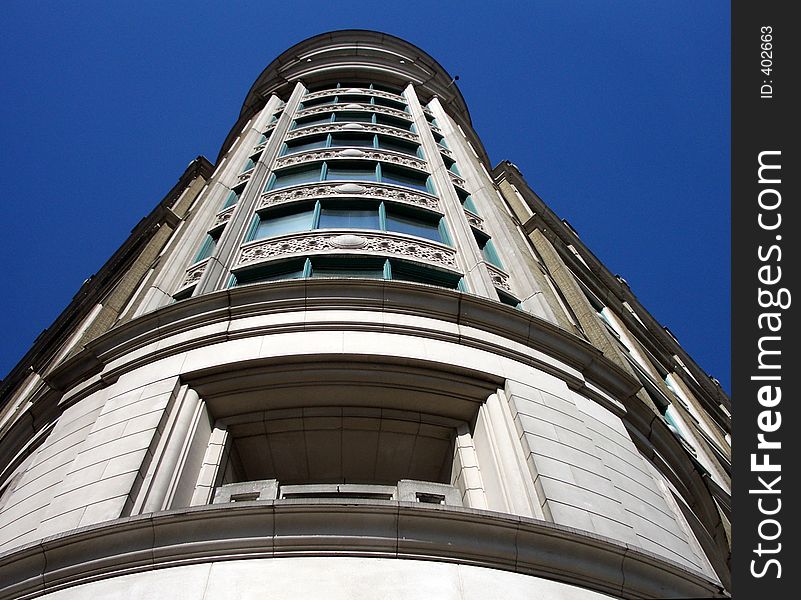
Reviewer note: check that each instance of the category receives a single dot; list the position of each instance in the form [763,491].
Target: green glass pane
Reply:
[361,141]
[296,177]
[390,144]
[346,173]
[287,223]
[348,219]
[303,145]
[406,179]
[413,226]
[369,273]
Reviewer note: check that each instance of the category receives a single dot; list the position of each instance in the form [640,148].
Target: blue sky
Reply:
[617,112]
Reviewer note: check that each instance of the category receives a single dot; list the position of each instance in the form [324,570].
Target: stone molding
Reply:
[245,176]
[322,242]
[353,90]
[387,156]
[353,128]
[103,360]
[354,106]
[364,189]
[379,529]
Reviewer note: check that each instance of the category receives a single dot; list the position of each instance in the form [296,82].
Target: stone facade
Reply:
[351,359]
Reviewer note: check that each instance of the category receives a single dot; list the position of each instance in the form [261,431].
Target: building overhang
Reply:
[364,528]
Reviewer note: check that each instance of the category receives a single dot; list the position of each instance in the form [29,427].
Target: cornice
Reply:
[379,529]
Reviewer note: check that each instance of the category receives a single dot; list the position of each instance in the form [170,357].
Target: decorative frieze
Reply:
[194,273]
[457,180]
[386,156]
[353,128]
[245,176]
[474,220]
[258,148]
[380,191]
[354,90]
[318,242]
[499,278]
[355,106]
[222,217]
[445,151]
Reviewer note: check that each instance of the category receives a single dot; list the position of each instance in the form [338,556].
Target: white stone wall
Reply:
[590,475]
[331,578]
[583,469]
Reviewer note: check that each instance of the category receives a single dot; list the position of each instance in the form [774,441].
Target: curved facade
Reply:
[353,359]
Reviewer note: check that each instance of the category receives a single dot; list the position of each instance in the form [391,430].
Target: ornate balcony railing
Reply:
[387,156]
[325,189]
[318,242]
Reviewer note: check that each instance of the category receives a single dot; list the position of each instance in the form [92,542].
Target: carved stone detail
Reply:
[326,190]
[350,127]
[384,110]
[499,278]
[223,217]
[474,220]
[194,273]
[456,180]
[366,91]
[435,129]
[445,151]
[258,148]
[387,156]
[349,242]
[245,176]
[318,242]
[270,126]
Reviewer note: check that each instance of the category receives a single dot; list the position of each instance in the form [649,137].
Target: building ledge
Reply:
[364,528]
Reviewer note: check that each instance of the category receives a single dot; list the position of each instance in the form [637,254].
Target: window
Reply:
[350,214]
[347,268]
[398,221]
[307,174]
[341,170]
[312,120]
[207,247]
[232,197]
[280,224]
[467,203]
[354,97]
[488,250]
[404,177]
[355,267]
[362,141]
[351,140]
[249,165]
[354,116]
[349,218]
[387,143]
[304,144]
[294,269]
[508,299]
